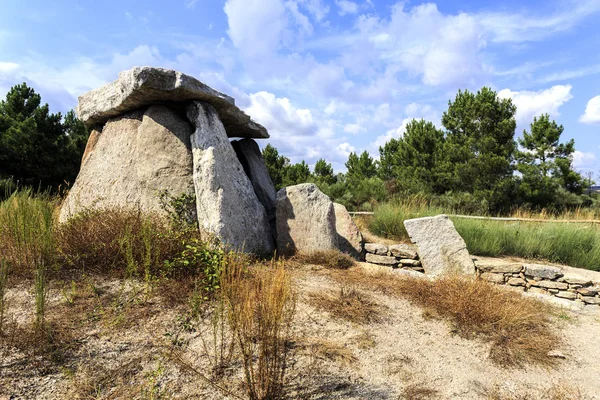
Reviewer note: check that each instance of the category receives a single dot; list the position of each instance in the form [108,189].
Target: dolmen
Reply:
[155,130]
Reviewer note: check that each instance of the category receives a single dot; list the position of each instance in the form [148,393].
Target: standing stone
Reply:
[305,220]
[131,160]
[226,202]
[350,240]
[441,249]
[252,161]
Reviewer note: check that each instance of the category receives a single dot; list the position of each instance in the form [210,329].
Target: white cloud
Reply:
[346,7]
[582,159]
[316,8]
[390,134]
[191,3]
[570,74]
[7,68]
[592,111]
[530,103]
[256,26]
[353,128]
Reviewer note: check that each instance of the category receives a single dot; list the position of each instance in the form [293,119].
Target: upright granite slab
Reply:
[252,161]
[441,249]
[350,240]
[133,159]
[305,220]
[139,87]
[226,202]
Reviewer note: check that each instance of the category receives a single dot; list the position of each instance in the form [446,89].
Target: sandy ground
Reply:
[121,343]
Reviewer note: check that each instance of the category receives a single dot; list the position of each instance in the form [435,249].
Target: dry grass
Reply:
[261,307]
[348,304]
[326,350]
[519,329]
[418,391]
[328,258]
[555,392]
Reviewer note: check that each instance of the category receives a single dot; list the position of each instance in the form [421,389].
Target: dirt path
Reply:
[119,352]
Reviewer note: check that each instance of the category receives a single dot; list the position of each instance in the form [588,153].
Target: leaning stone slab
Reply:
[142,86]
[129,162]
[350,240]
[440,248]
[542,271]
[381,260]
[226,202]
[497,266]
[252,161]
[403,251]
[305,220]
[376,248]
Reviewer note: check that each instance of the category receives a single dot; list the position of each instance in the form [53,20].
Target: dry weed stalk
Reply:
[262,307]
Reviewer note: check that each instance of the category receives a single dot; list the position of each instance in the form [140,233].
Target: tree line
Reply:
[474,163]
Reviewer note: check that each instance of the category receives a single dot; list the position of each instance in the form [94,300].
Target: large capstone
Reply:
[441,249]
[252,161]
[226,202]
[131,160]
[305,220]
[350,240]
[142,86]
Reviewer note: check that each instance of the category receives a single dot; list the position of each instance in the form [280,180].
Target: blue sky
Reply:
[325,77]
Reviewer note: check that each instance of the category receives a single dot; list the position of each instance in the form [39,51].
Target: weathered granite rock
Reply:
[552,285]
[142,86]
[381,260]
[591,300]
[566,295]
[409,262]
[590,291]
[491,277]
[91,145]
[575,280]
[403,251]
[305,220]
[136,156]
[516,282]
[350,240]
[497,266]
[542,271]
[252,161]
[440,248]
[226,202]
[376,248]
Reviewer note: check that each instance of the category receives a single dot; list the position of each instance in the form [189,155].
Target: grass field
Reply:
[577,245]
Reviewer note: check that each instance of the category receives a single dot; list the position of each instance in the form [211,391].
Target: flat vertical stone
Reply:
[226,202]
[350,240]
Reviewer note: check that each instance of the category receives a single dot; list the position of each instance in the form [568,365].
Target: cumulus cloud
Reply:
[582,159]
[534,103]
[592,111]
[346,7]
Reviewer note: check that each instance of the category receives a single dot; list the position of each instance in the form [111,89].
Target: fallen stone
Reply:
[542,271]
[552,285]
[252,161]
[516,282]
[498,266]
[226,202]
[556,354]
[305,220]
[406,262]
[381,260]
[376,248]
[143,86]
[133,159]
[567,295]
[403,251]
[349,238]
[440,248]
[491,277]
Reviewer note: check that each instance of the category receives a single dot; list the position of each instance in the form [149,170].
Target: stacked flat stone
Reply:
[395,256]
[539,278]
